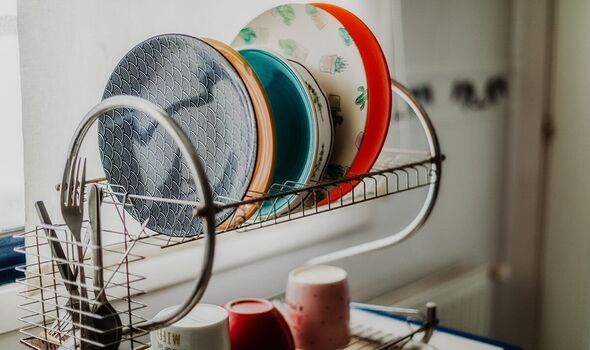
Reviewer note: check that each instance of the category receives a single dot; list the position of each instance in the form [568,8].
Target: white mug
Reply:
[206,327]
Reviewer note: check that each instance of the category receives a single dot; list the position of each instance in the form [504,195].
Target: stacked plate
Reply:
[301,96]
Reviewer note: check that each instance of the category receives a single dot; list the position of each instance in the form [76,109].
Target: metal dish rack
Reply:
[49,321]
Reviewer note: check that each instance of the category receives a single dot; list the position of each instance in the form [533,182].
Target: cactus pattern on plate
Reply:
[340,65]
[311,10]
[293,50]
[335,110]
[336,171]
[316,16]
[287,13]
[289,47]
[345,36]
[361,100]
[248,34]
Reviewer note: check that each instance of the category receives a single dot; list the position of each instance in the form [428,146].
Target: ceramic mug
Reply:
[206,327]
[256,324]
[319,307]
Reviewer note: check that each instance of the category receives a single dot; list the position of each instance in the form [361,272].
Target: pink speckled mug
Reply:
[318,307]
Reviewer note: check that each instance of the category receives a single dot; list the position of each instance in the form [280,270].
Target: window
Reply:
[11,145]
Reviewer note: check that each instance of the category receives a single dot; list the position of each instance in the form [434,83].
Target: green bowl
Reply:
[294,123]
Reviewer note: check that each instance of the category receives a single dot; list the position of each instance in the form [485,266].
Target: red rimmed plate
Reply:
[379,93]
[346,59]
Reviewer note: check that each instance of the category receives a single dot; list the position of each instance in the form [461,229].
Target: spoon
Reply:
[106,323]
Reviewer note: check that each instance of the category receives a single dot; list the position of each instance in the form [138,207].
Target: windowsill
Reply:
[12,231]
[10,300]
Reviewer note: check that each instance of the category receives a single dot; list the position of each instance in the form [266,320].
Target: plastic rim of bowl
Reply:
[379,101]
[266,154]
[325,133]
[323,120]
[260,58]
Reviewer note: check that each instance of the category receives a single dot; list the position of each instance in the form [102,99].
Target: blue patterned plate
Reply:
[205,95]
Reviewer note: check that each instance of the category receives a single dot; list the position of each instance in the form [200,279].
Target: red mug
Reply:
[255,324]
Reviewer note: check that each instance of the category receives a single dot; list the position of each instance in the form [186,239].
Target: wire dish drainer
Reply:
[49,321]
[52,322]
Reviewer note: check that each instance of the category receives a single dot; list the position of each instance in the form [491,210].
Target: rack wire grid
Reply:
[49,321]
[52,322]
[400,172]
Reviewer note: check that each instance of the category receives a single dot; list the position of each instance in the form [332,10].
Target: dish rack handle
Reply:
[431,196]
[206,210]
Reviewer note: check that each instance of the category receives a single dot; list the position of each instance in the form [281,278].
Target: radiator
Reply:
[464,298]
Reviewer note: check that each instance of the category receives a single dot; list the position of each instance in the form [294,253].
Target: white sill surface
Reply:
[9,301]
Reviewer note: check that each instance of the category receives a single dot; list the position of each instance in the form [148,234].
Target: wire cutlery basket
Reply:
[49,321]
[55,318]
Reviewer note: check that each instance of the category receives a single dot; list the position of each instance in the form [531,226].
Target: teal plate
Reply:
[294,123]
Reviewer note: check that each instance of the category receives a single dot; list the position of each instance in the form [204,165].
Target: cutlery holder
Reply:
[45,298]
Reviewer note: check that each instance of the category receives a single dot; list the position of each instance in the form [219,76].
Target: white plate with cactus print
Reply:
[313,37]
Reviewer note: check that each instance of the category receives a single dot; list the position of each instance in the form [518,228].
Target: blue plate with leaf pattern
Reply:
[204,94]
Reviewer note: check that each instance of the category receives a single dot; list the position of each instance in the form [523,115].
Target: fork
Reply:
[55,330]
[72,210]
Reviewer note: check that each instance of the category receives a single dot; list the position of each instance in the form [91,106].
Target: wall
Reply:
[565,322]
[520,242]
[68,49]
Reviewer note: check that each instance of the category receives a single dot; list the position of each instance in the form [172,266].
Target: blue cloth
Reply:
[9,259]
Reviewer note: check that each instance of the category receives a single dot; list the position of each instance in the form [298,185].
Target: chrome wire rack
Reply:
[51,320]
[400,172]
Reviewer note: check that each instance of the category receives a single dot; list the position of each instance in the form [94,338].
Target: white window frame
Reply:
[9,292]
[8,28]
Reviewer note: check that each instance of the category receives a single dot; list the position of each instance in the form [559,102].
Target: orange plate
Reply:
[379,100]
[266,155]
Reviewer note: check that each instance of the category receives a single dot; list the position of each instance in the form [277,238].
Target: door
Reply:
[566,259]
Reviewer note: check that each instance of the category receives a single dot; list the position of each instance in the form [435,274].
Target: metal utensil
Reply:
[72,210]
[106,319]
[65,271]
[429,321]
[72,340]
[57,250]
